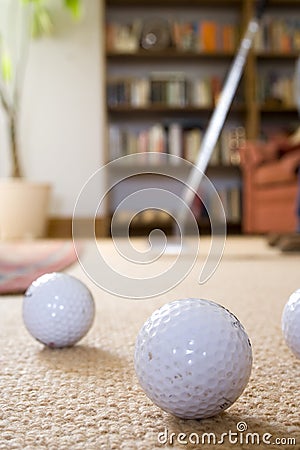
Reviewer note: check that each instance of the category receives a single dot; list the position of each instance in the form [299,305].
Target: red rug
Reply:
[22,262]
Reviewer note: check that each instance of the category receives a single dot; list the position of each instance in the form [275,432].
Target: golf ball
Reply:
[291,323]
[193,358]
[58,309]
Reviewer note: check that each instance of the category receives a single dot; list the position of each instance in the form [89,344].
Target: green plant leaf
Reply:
[26,2]
[41,22]
[45,21]
[75,7]
[6,67]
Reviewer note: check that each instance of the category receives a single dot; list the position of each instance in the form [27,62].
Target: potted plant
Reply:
[23,203]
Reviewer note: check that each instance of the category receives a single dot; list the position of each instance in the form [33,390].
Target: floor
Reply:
[88,397]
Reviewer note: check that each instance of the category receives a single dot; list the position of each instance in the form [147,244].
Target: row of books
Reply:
[175,139]
[174,89]
[274,34]
[197,36]
[279,35]
[205,36]
[230,196]
[275,89]
[166,88]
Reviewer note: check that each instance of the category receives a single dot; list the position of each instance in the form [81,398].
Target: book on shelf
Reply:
[114,137]
[128,91]
[223,194]
[140,92]
[230,197]
[118,91]
[176,139]
[191,144]
[197,207]
[157,143]
[208,36]
[232,203]
[215,157]
[280,35]
[230,37]
[275,89]
[216,87]
[235,202]
[201,94]
[183,35]
[123,38]
[185,142]
[168,88]
[124,141]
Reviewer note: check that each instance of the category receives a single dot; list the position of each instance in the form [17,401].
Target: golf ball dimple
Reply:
[291,323]
[193,358]
[58,309]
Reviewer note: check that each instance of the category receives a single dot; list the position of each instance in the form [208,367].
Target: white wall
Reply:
[62,121]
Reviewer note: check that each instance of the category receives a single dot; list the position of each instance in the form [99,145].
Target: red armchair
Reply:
[270,185]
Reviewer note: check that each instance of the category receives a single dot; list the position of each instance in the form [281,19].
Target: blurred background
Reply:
[106,79]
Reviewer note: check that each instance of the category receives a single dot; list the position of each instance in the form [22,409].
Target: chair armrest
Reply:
[253,154]
[291,162]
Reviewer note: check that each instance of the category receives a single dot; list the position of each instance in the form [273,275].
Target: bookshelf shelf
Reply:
[165,109]
[278,109]
[173,169]
[172,3]
[277,55]
[284,3]
[169,54]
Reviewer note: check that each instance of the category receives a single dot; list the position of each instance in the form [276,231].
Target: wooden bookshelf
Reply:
[251,113]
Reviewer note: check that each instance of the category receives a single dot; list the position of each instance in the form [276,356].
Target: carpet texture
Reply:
[21,262]
[87,397]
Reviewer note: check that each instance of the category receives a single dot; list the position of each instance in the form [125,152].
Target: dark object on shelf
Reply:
[290,243]
[287,242]
[273,239]
[156,35]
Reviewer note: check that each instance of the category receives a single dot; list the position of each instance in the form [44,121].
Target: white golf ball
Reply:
[193,358]
[58,309]
[291,323]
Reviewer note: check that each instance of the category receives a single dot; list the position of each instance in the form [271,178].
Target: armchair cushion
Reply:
[283,170]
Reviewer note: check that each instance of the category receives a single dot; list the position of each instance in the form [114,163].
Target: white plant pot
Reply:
[23,209]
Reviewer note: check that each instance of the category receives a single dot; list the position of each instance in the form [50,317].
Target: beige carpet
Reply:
[88,397]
